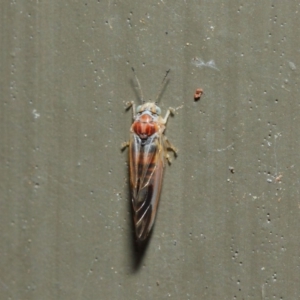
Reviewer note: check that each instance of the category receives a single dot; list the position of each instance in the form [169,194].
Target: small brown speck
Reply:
[198,94]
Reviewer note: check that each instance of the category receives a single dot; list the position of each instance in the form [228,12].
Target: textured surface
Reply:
[228,221]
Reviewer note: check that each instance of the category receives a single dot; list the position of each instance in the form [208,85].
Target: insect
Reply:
[198,94]
[148,153]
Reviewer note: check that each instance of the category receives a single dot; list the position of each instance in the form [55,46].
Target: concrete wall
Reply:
[228,221]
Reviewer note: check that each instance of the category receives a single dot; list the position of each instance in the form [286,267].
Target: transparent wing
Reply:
[146,171]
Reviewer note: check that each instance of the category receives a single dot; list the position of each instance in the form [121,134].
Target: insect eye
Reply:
[158,111]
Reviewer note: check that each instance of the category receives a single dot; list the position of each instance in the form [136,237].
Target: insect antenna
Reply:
[162,86]
[137,80]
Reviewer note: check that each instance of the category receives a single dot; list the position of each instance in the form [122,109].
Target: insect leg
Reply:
[124,145]
[169,111]
[169,146]
[131,104]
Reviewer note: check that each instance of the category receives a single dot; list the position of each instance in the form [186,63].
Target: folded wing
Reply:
[146,171]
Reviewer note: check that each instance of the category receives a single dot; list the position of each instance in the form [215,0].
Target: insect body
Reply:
[148,152]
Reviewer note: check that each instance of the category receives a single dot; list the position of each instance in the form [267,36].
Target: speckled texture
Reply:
[228,220]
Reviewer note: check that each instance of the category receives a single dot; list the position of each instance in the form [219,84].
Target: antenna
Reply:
[137,80]
[162,85]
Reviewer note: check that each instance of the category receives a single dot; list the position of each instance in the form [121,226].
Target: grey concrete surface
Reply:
[228,220]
